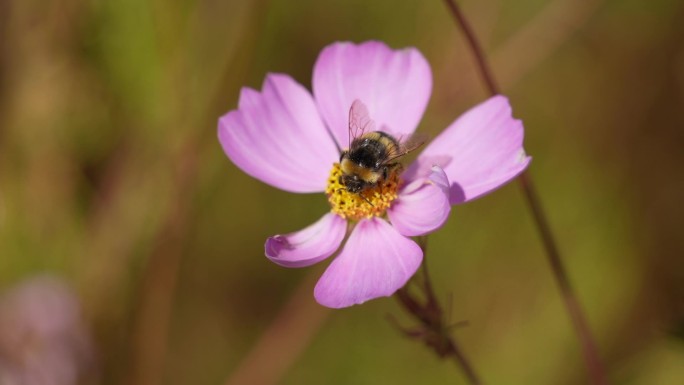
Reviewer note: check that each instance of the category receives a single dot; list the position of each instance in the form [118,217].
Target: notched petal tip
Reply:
[394,84]
[278,137]
[249,97]
[275,245]
[309,245]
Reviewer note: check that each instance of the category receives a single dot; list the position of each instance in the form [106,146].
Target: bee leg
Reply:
[365,199]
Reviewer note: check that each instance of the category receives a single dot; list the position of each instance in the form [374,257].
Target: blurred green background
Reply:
[111,176]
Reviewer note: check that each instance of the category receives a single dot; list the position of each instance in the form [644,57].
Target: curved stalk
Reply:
[572,305]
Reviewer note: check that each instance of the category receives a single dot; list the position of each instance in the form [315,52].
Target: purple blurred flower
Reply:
[43,340]
[286,138]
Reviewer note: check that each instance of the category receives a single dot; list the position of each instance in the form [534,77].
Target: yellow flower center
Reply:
[371,202]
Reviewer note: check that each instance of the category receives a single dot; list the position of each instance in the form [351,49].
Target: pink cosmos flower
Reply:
[291,140]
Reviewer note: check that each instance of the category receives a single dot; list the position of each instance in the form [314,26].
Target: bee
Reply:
[372,155]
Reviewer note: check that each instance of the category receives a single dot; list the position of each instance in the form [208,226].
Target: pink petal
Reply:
[485,150]
[394,84]
[375,262]
[308,246]
[423,206]
[278,137]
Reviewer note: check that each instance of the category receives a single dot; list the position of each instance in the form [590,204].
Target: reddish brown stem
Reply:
[474,45]
[432,330]
[579,321]
[434,333]
[572,305]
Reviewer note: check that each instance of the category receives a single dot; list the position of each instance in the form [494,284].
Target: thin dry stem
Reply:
[589,350]
[433,330]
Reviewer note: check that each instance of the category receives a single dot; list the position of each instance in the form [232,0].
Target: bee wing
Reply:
[359,121]
[408,144]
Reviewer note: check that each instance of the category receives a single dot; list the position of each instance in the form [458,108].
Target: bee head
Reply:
[353,183]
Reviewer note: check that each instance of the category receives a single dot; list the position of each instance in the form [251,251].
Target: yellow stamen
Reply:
[352,205]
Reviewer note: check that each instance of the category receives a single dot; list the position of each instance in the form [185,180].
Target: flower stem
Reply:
[458,355]
[475,47]
[433,331]
[579,321]
[452,347]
